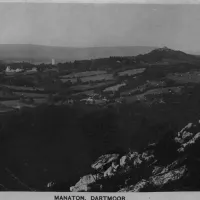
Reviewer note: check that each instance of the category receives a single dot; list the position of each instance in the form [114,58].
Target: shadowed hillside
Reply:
[57,121]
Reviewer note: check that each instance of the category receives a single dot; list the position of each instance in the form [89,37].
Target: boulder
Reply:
[190,143]
[173,175]
[111,171]
[137,161]
[157,170]
[84,183]
[184,137]
[188,127]
[132,155]
[140,186]
[123,160]
[159,167]
[188,131]
[104,160]
[50,184]
[136,188]
[147,156]
[128,159]
[81,188]
[161,170]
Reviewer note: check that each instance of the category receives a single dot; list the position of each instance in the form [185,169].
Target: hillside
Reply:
[101,109]
[169,165]
[38,53]
[166,54]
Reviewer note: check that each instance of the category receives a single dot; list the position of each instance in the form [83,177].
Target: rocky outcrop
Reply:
[189,144]
[111,170]
[136,188]
[148,170]
[163,179]
[104,160]
[83,185]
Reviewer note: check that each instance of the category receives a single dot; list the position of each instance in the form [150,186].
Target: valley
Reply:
[56,121]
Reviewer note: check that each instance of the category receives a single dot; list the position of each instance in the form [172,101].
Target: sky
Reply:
[88,25]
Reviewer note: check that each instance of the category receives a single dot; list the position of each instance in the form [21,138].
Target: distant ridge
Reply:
[39,53]
[166,54]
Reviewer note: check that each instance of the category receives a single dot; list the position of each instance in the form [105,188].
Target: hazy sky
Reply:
[175,26]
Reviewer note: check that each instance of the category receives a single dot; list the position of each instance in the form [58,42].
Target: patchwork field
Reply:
[4,109]
[114,87]
[72,80]
[92,76]
[131,72]
[142,88]
[15,104]
[100,77]
[83,74]
[20,88]
[157,91]
[19,104]
[91,86]
[33,95]
[87,92]
[189,77]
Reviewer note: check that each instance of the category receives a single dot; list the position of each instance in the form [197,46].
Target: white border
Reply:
[128,196]
[108,1]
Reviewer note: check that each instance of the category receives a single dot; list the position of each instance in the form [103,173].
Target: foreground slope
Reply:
[172,164]
[58,140]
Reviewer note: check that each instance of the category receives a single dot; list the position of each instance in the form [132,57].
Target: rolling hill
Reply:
[166,54]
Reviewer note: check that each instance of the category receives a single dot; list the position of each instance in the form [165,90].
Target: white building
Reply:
[53,61]
[31,71]
[10,71]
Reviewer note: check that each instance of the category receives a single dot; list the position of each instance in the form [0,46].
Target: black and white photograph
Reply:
[99,97]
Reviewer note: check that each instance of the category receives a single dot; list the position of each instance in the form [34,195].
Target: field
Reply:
[83,74]
[91,86]
[72,80]
[15,104]
[92,76]
[33,95]
[100,77]
[21,88]
[4,109]
[87,92]
[114,87]
[155,92]
[131,72]
[189,77]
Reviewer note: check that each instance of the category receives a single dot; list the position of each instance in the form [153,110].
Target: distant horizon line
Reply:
[80,46]
[85,47]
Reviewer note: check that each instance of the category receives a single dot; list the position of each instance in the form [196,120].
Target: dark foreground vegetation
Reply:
[50,135]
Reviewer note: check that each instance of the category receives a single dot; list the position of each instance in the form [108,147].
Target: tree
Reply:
[115,75]
[116,94]
[79,80]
